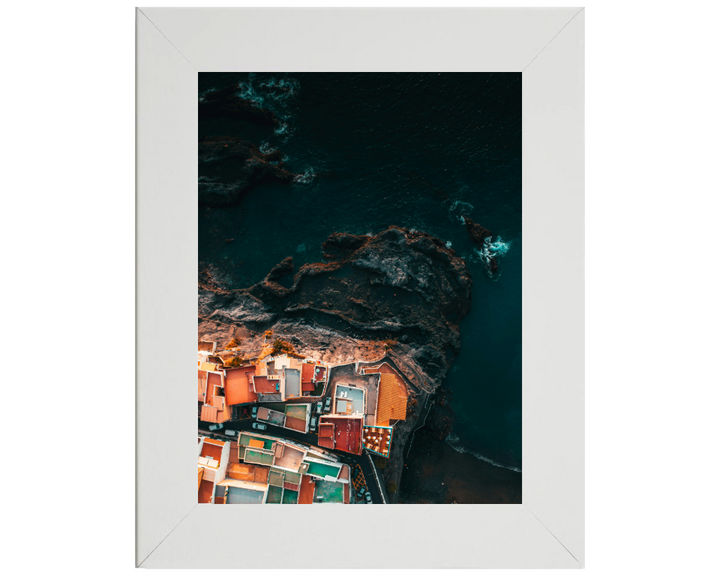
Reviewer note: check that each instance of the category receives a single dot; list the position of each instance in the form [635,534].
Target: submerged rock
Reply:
[228,167]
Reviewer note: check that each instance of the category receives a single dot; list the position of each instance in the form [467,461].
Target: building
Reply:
[392,395]
[212,402]
[213,458]
[294,417]
[262,469]
[341,432]
[285,377]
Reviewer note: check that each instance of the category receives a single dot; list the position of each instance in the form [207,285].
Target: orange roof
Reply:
[256,443]
[213,449]
[307,490]
[392,400]
[238,386]
[248,473]
[200,476]
[208,413]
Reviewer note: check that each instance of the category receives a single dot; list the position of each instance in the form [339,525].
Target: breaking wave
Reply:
[306,177]
[492,249]
[272,93]
[454,442]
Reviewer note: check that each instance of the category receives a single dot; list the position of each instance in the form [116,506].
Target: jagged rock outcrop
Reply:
[228,167]
[479,235]
[400,285]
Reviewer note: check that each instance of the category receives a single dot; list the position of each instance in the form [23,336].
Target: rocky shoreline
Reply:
[398,295]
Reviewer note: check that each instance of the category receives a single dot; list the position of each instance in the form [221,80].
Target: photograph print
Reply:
[359,288]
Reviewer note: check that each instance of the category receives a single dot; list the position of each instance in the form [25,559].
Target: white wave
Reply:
[306,177]
[448,244]
[458,208]
[491,249]
[301,248]
[265,148]
[453,441]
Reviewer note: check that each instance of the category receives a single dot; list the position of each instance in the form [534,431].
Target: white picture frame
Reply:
[547,46]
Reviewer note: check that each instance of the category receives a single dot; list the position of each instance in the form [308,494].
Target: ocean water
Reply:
[414,150]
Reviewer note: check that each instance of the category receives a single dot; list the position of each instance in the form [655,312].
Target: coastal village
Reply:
[283,429]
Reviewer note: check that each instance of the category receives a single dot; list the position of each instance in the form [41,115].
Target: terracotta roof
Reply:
[238,386]
[208,413]
[248,473]
[307,491]
[392,400]
[265,386]
[212,449]
[295,423]
[205,492]
[307,372]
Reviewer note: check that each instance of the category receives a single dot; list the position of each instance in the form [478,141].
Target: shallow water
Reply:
[414,150]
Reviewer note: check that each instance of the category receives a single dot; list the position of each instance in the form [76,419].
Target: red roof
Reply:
[307,372]
[265,386]
[347,432]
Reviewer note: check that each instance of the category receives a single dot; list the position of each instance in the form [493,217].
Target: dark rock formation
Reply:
[225,103]
[229,167]
[478,235]
[476,232]
[400,285]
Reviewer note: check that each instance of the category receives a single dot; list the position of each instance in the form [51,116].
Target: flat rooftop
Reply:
[328,492]
[237,495]
[344,375]
[347,432]
[238,385]
[349,400]
[291,458]
[265,386]
[292,383]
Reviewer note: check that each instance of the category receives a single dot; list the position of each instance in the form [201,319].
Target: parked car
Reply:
[368,498]
[313,423]
[214,427]
[231,432]
[362,491]
[355,473]
[319,408]
[328,401]
[254,411]
[259,426]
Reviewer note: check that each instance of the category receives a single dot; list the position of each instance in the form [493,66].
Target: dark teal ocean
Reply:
[414,150]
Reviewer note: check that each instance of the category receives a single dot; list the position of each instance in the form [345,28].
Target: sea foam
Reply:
[454,442]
